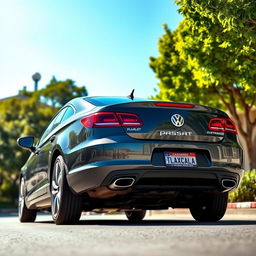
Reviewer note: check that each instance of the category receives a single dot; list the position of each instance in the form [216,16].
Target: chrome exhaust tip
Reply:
[228,183]
[121,183]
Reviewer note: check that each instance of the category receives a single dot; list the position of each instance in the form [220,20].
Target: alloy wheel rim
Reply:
[56,188]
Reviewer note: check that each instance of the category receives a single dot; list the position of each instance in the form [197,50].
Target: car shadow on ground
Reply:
[160,223]
[147,222]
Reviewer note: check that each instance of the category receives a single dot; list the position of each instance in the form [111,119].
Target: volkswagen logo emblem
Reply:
[177,120]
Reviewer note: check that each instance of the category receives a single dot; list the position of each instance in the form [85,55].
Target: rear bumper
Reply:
[149,177]
[97,165]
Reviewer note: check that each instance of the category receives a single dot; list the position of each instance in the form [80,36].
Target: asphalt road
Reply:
[113,235]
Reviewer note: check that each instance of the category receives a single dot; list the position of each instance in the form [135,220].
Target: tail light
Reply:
[173,105]
[128,119]
[222,125]
[111,119]
[102,119]
[230,126]
[217,124]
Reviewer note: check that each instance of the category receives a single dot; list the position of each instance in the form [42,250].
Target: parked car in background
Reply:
[120,154]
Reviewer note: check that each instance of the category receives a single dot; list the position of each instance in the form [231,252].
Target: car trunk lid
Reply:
[171,121]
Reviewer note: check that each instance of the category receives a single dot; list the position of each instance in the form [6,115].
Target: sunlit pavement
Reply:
[162,234]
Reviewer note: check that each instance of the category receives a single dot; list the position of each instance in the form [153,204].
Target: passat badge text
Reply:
[175,133]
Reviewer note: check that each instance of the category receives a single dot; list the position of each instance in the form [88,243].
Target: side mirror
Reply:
[26,143]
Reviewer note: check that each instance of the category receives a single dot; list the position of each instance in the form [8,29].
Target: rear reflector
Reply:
[222,125]
[111,119]
[173,105]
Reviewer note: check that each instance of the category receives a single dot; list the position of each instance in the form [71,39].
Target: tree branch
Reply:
[253,101]
[248,58]
[232,107]
[221,98]
[237,92]
[246,106]
[252,21]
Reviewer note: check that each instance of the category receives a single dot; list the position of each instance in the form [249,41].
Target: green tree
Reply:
[57,93]
[28,115]
[19,117]
[177,81]
[212,56]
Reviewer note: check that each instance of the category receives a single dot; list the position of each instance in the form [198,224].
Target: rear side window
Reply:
[69,112]
[54,123]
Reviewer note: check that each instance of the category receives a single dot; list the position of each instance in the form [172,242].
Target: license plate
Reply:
[180,159]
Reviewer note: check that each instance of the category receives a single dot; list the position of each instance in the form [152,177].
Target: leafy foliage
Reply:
[247,189]
[19,117]
[225,31]
[174,69]
[58,93]
[27,114]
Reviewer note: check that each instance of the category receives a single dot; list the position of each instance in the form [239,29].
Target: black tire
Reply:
[25,215]
[65,206]
[135,216]
[211,207]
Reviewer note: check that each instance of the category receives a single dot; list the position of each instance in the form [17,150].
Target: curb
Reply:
[241,205]
[9,211]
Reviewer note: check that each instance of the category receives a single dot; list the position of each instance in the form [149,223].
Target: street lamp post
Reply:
[36,77]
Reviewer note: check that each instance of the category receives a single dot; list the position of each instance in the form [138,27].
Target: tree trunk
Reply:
[251,149]
[247,134]
[244,123]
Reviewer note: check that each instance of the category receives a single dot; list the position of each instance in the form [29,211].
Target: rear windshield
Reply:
[103,101]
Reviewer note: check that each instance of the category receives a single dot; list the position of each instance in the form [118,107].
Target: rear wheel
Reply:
[25,215]
[212,207]
[135,216]
[66,206]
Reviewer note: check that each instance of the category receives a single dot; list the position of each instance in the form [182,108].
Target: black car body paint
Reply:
[97,157]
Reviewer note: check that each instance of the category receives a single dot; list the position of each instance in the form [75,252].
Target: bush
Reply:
[247,189]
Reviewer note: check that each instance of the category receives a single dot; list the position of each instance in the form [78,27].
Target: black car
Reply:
[122,154]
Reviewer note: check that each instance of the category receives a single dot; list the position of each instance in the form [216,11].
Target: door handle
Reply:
[52,138]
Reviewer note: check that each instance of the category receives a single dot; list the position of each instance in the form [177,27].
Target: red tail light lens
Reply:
[217,124]
[111,119]
[230,126]
[128,119]
[102,119]
[222,125]
[173,105]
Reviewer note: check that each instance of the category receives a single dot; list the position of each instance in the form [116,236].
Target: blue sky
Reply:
[102,44]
